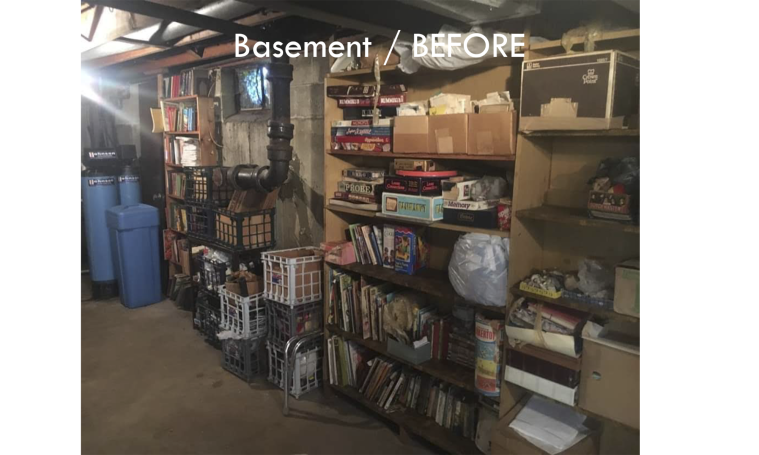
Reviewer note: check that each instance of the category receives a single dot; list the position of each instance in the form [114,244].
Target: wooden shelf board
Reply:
[435,225]
[435,156]
[605,36]
[585,133]
[457,375]
[172,165]
[182,133]
[580,306]
[428,281]
[575,217]
[180,98]
[417,424]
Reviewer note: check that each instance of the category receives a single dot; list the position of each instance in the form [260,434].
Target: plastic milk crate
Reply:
[241,357]
[245,316]
[285,321]
[207,319]
[244,231]
[213,273]
[199,222]
[293,276]
[200,188]
[306,371]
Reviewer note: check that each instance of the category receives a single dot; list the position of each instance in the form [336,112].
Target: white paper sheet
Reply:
[550,426]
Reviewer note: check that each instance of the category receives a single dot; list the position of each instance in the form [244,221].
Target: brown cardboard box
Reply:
[250,200]
[610,375]
[256,230]
[306,283]
[493,133]
[627,288]
[410,134]
[254,287]
[382,49]
[448,134]
[506,441]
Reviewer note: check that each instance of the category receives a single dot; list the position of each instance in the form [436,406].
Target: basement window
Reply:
[252,88]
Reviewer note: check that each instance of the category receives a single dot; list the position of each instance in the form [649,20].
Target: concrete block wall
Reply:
[300,212]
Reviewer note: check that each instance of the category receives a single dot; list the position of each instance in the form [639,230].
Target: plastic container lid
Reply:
[122,217]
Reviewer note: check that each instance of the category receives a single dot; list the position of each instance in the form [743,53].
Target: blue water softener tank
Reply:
[129,186]
[134,242]
[99,193]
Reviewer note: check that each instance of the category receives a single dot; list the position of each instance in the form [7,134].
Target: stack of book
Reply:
[177,217]
[180,117]
[363,135]
[180,150]
[394,387]
[360,188]
[357,101]
[190,82]
[176,183]
[355,305]
[461,339]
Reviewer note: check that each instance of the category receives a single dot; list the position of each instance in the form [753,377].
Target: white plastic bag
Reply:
[478,268]
[458,59]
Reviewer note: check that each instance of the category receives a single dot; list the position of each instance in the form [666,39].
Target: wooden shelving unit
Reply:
[574,217]
[414,423]
[572,304]
[490,76]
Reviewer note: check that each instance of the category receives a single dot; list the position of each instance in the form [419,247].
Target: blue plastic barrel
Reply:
[129,186]
[134,242]
[99,194]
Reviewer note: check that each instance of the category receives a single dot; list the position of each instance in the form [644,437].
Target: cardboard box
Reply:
[250,200]
[448,134]
[485,219]
[382,50]
[409,164]
[410,134]
[506,441]
[627,288]
[557,342]
[413,207]
[493,133]
[610,376]
[458,188]
[587,91]
[253,287]
[340,252]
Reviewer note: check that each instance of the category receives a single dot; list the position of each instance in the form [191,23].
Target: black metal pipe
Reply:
[265,179]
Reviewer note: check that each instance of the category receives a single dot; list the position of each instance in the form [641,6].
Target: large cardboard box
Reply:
[448,134]
[253,287]
[627,288]
[588,91]
[506,441]
[410,134]
[256,230]
[492,134]
[610,377]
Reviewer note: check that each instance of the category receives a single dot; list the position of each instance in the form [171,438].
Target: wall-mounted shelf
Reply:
[574,217]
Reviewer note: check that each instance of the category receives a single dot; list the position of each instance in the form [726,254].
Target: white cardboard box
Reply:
[563,344]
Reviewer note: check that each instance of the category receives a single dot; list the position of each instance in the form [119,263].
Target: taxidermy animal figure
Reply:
[400,314]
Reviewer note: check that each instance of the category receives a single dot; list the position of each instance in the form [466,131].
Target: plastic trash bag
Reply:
[478,268]
[458,59]
[596,279]
[488,188]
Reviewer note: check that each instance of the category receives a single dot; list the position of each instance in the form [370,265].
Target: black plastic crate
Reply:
[207,318]
[212,273]
[285,321]
[202,189]
[242,357]
[244,231]
[199,222]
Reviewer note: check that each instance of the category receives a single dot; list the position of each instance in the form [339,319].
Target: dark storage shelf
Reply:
[568,303]
[574,217]
[429,281]
[435,156]
[457,375]
[550,356]
[416,424]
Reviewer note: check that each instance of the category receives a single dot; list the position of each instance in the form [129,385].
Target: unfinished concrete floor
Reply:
[150,384]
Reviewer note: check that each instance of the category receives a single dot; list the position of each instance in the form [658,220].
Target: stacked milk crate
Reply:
[293,290]
[243,321]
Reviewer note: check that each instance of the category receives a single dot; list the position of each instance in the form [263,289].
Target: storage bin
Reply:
[285,321]
[293,276]
[243,231]
[241,357]
[207,319]
[212,273]
[200,188]
[306,371]
[408,353]
[245,316]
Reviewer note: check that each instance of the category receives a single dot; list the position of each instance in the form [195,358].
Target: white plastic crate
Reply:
[245,316]
[306,374]
[293,276]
